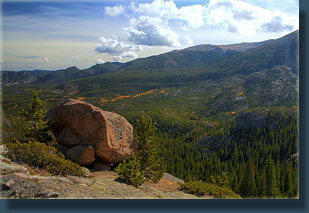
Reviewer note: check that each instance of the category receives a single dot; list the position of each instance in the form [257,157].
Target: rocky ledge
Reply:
[23,181]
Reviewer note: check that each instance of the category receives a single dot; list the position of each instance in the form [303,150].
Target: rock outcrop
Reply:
[23,181]
[76,123]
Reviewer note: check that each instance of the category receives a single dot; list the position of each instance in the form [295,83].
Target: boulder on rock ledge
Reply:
[76,122]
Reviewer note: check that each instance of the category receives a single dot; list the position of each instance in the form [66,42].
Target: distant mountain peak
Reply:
[241,47]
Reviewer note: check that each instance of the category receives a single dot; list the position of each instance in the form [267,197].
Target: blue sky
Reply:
[58,34]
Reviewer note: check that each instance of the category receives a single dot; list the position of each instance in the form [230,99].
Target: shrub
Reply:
[130,172]
[200,188]
[42,156]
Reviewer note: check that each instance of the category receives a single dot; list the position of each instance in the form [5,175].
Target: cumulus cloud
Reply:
[127,54]
[100,61]
[118,49]
[276,24]
[114,11]
[245,18]
[152,32]
[157,8]
[46,60]
[162,23]
[232,15]
[192,16]
[113,46]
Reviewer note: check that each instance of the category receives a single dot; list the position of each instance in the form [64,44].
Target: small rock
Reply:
[87,172]
[7,168]
[81,154]
[101,166]
[47,193]
[30,185]
[67,138]
[63,179]
[18,188]
[38,178]
[4,159]
[7,185]
[3,149]
[7,193]
[53,194]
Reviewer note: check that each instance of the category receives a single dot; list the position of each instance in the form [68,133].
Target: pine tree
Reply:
[248,187]
[151,162]
[271,179]
[35,114]
[261,184]
[130,171]
[288,185]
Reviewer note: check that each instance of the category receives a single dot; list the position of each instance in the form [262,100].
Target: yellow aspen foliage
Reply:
[103,100]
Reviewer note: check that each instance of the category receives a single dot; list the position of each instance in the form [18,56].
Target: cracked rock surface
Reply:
[22,181]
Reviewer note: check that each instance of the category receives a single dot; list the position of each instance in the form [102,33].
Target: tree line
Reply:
[254,162]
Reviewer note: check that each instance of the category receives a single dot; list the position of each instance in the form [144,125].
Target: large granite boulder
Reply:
[76,122]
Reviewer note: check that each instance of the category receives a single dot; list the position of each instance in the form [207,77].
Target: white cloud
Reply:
[113,46]
[114,11]
[193,16]
[150,24]
[152,32]
[278,24]
[46,60]
[248,19]
[162,23]
[118,49]
[127,54]
[100,61]
[235,16]
[187,41]
[158,8]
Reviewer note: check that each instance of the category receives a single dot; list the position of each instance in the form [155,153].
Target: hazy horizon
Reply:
[59,34]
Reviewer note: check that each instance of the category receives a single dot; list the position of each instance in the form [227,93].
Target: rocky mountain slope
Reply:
[218,78]
[23,181]
[22,77]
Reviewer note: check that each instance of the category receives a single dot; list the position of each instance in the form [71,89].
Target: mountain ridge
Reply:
[219,85]
[191,57]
